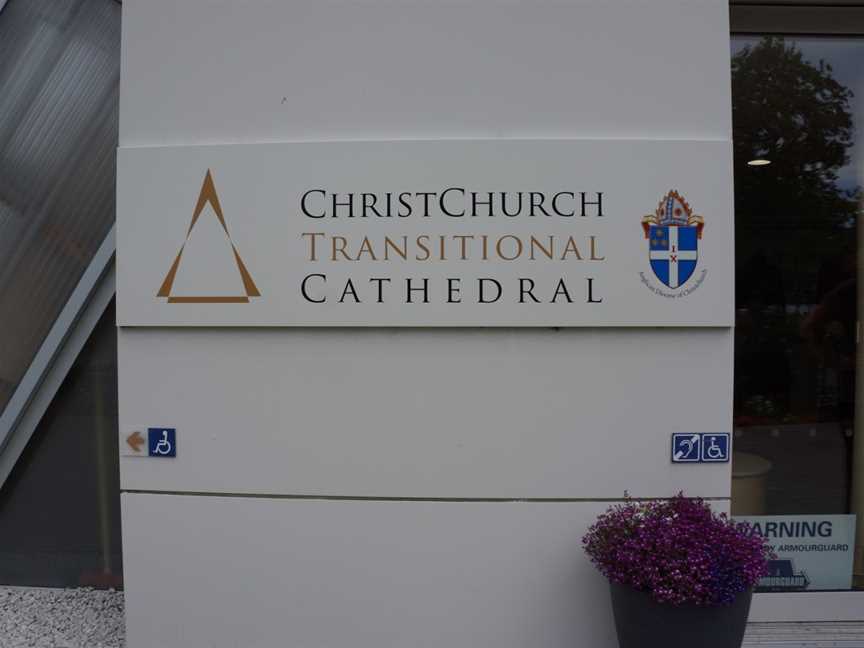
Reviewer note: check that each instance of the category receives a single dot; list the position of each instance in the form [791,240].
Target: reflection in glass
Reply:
[797,199]
[60,507]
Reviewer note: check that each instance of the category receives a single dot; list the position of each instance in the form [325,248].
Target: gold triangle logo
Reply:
[208,196]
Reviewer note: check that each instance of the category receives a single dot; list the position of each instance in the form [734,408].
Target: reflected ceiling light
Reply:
[759,162]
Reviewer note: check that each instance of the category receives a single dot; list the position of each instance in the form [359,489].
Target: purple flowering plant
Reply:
[678,550]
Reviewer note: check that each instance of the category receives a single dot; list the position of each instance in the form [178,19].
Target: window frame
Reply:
[796,17]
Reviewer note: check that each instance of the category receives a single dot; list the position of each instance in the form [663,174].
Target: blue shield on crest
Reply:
[673,252]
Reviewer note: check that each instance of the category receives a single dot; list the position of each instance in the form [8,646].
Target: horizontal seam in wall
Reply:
[362,498]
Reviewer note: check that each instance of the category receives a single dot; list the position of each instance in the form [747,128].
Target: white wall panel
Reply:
[421,413]
[202,71]
[410,413]
[259,573]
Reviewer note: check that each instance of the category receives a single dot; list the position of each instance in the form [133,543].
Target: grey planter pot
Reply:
[641,622]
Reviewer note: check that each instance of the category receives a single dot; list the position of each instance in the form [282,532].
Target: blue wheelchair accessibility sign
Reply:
[691,447]
[715,448]
[162,442]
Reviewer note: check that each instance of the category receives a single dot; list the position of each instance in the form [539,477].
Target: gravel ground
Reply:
[60,618]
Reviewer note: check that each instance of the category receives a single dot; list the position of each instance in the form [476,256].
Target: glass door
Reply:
[798,466]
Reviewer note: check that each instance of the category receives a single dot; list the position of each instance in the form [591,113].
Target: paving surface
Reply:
[806,635]
[60,618]
[86,618]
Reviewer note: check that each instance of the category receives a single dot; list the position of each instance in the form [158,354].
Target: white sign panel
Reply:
[814,552]
[427,233]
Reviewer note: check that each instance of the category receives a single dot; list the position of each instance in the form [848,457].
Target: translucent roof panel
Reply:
[59,78]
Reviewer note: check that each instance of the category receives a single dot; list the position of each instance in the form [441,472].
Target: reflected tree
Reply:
[795,227]
[794,113]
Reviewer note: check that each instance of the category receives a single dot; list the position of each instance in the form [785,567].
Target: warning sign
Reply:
[814,552]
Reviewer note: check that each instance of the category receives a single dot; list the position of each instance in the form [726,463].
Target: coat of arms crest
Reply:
[673,232]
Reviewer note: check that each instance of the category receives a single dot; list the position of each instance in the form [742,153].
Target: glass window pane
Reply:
[797,112]
[60,507]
